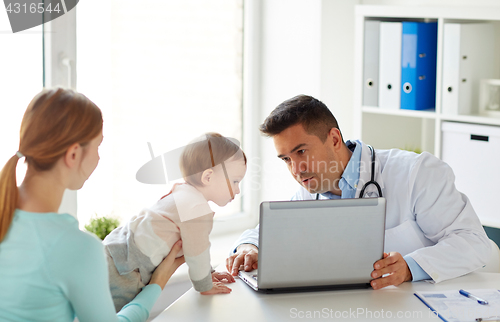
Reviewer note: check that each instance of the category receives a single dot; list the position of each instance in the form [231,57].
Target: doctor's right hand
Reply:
[246,257]
[390,270]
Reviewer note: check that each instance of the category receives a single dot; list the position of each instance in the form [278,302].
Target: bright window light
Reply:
[21,66]
[162,72]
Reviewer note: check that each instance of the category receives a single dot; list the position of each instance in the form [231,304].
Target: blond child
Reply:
[212,169]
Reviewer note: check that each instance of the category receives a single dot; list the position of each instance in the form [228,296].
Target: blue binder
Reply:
[418,65]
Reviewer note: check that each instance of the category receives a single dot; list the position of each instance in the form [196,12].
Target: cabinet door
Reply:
[473,152]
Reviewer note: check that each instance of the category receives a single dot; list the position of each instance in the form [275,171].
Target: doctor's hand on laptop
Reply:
[245,258]
[390,270]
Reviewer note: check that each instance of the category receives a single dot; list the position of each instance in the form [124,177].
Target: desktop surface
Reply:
[390,303]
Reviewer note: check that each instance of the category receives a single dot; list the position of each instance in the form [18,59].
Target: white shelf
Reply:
[429,114]
[477,119]
[421,129]
[419,12]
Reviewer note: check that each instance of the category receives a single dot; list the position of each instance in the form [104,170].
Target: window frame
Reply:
[59,69]
[59,50]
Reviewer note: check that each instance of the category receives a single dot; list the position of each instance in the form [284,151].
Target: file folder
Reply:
[390,65]
[370,63]
[468,57]
[418,65]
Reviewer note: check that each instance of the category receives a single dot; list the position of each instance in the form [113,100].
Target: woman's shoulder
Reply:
[47,227]
[79,239]
[58,230]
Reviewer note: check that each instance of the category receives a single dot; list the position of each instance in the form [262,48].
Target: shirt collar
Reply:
[351,172]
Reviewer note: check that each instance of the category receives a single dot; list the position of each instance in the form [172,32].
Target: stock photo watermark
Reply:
[359,313]
[28,14]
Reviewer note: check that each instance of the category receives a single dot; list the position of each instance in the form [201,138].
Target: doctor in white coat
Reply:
[432,231]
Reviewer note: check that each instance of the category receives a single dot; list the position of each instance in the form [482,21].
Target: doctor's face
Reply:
[313,163]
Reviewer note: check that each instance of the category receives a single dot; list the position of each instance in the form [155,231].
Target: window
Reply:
[21,65]
[162,72]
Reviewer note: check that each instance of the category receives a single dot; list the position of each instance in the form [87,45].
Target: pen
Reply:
[488,319]
[471,296]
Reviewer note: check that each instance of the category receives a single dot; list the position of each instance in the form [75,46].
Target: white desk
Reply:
[391,303]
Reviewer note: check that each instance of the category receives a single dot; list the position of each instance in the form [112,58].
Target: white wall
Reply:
[291,65]
[308,47]
[440,3]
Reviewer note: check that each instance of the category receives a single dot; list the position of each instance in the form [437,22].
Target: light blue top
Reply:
[52,271]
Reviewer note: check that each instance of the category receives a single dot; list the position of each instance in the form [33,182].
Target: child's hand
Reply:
[222,276]
[217,288]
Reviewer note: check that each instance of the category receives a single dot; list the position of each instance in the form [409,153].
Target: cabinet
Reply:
[422,130]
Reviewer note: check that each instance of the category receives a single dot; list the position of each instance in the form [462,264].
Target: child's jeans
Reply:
[124,288]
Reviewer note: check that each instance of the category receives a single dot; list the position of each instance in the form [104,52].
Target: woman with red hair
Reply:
[49,269]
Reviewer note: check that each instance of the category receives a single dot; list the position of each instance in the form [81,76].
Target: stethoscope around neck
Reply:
[372,180]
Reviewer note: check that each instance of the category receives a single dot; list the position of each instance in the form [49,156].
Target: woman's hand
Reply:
[167,267]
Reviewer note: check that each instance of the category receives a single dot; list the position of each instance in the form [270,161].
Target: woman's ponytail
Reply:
[9,195]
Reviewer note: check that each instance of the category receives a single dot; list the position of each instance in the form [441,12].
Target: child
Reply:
[212,169]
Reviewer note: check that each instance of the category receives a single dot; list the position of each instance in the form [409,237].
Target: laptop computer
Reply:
[315,245]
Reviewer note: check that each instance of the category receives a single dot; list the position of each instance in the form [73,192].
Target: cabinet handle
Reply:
[479,137]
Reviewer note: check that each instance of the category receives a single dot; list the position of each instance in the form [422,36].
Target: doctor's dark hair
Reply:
[54,120]
[301,109]
[206,152]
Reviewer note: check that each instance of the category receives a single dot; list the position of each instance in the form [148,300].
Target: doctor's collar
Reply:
[350,145]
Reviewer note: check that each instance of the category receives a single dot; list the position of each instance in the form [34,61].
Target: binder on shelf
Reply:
[418,65]
[390,65]
[370,63]
[468,57]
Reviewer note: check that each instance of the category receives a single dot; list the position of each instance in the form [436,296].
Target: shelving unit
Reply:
[364,114]
[408,129]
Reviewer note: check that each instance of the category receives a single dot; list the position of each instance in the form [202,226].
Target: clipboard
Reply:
[451,306]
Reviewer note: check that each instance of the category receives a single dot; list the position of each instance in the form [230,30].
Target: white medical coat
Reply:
[427,217]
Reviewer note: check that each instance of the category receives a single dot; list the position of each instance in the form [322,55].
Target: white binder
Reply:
[390,65]
[468,57]
[370,63]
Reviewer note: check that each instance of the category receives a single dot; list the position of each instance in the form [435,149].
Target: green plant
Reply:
[102,226]
[412,149]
